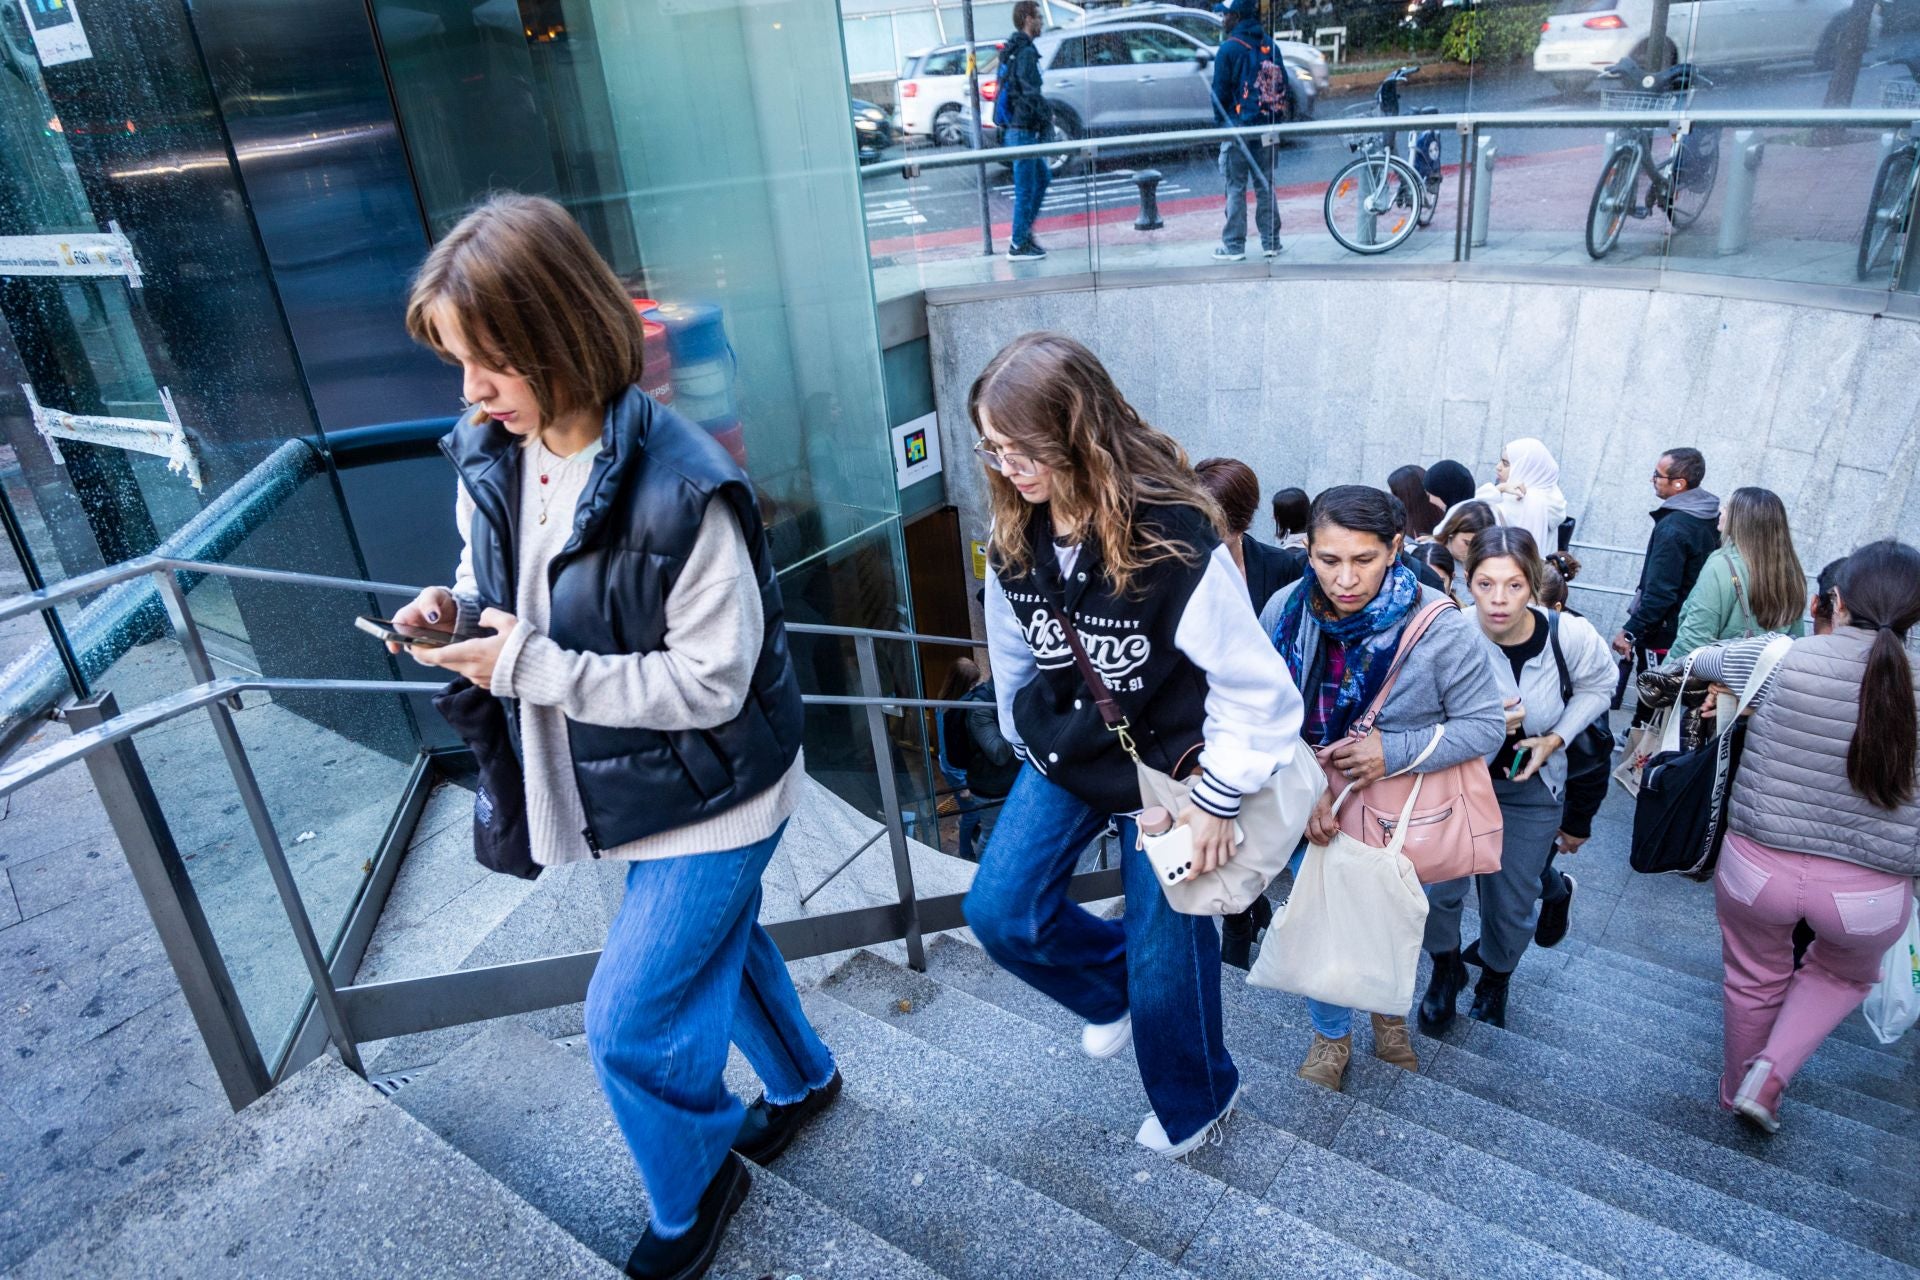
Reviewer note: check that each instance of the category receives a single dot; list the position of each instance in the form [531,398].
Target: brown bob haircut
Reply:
[1235,487]
[534,298]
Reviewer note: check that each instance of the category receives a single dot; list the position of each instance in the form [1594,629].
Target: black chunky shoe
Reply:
[768,1128]
[1490,998]
[1555,915]
[1238,933]
[687,1257]
[1437,1007]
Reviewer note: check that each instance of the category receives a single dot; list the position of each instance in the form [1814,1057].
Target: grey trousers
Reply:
[1510,896]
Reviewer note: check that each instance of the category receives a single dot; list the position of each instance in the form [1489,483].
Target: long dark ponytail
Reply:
[1880,587]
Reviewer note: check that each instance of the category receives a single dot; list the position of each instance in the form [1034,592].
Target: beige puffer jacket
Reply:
[1791,791]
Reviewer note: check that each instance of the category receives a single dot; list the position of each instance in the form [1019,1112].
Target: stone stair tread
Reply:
[1713,1217]
[322,1176]
[1764,1186]
[532,1114]
[1024,1130]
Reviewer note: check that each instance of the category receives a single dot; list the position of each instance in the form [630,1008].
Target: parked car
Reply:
[1304,60]
[872,130]
[1581,38]
[933,92]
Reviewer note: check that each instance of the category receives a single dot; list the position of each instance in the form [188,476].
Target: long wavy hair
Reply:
[1776,585]
[1880,586]
[1055,402]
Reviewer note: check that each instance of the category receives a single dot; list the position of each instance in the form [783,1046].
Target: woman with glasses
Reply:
[1099,525]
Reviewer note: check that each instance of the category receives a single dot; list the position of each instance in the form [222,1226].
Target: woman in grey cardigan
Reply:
[1338,629]
[1824,825]
[1518,642]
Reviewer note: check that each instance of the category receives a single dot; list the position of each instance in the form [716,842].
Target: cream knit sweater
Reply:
[699,680]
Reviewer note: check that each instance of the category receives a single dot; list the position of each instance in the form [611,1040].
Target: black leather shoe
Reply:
[768,1128]
[687,1257]
[1555,915]
[1236,941]
[1490,998]
[1437,1007]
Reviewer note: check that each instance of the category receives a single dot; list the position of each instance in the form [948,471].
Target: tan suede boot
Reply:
[1326,1063]
[1391,1043]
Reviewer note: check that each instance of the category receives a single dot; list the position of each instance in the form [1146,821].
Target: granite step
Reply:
[532,1114]
[1563,1156]
[1022,1127]
[323,1176]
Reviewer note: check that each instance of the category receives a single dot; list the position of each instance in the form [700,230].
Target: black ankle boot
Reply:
[688,1256]
[1443,992]
[1238,933]
[1490,998]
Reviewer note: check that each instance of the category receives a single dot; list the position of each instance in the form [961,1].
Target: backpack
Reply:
[956,743]
[1262,96]
[1592,748]
[1001,119]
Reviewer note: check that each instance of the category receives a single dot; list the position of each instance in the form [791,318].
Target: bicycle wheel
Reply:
[1612,198]
[1429,202]
[1886,213]
[1371,205]
[1687,199]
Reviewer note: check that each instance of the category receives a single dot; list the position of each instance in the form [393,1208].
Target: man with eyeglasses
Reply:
[1686,530]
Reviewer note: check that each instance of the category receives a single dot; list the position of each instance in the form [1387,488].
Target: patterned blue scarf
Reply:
[1308,626]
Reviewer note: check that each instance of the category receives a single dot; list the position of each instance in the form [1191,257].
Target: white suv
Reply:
[933,93]
[1583,37]
[1305,61]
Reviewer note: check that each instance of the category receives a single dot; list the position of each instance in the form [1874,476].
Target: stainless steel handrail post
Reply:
[1464,136]
[255,802]
[890,800]
[140,825]
[1470,176]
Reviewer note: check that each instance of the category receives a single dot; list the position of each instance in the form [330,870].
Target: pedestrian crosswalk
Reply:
[901,207]
[895,207]
[1108,190]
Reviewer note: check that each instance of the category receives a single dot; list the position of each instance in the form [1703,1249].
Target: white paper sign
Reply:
[87,253]
[916,450]
[57,34]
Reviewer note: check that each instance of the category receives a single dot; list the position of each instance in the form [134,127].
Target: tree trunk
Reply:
[1657,38]
[1848,51]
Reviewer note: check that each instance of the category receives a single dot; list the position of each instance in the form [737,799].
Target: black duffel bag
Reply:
[500,839]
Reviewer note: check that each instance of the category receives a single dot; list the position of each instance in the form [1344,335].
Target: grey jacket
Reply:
[1446,679]
[1589,666]
[1791,791]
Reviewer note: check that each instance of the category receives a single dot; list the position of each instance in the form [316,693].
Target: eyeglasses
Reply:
[1006,461]
[1661,475]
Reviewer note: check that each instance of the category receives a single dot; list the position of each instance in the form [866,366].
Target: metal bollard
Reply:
[1482,191]
[1736,216]
[1149,219]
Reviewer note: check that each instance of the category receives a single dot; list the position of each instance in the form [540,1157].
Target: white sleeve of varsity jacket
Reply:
[1012,660]
[1253,710]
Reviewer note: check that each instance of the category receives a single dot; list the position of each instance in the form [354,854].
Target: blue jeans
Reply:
[1159,965]
[686,968]
[1238,172]
[1030,181]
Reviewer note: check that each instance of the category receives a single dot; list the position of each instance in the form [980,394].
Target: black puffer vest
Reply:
[1129,639]
[636,525]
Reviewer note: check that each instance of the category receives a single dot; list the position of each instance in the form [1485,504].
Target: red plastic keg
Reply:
[657,378]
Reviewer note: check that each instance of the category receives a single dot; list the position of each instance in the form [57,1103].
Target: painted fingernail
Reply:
[433,615]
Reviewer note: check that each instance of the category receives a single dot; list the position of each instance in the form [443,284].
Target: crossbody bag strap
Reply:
[1763,671]
[1408,638]
[1103,700]
[1559,658]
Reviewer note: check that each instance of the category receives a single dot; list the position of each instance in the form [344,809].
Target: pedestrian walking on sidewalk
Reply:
[1526,649]
[1249,88]
[658,712]
[1099,525]
[1029,120]
[1338,629]
[1823,826]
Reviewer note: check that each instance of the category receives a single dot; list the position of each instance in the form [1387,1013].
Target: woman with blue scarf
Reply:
[1338,628]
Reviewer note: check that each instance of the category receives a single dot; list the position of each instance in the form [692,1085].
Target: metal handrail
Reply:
[1461,122]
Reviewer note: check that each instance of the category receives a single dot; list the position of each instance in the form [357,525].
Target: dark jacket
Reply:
[1027,106]
[637,522]
[1268,569]
[994,766]
[1129,638]
[1236,63]
[1685,532]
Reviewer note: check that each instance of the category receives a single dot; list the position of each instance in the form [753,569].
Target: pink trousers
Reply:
[1773,1011]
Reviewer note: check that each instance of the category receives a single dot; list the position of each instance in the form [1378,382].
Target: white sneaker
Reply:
[1104,1039]
[1153,1136]
[1224,254]
[1747,1102]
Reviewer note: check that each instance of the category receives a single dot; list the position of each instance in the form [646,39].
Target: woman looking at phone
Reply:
[616,554]
[1529,769]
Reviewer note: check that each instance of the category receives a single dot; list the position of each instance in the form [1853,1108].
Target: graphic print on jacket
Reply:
[1129,638]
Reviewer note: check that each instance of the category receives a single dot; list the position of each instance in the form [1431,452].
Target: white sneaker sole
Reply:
[1747,1101]
[1153,1137]
[1101,1041]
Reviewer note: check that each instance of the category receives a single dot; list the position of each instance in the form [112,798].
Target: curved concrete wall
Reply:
[1321,382]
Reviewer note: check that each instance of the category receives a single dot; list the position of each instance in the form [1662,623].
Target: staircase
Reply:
[975,1142]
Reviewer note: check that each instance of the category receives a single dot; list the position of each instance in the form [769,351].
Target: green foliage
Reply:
[1504,34]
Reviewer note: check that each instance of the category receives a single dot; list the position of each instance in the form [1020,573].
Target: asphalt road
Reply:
[947,200]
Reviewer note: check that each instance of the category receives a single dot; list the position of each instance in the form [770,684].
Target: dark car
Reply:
[872,130]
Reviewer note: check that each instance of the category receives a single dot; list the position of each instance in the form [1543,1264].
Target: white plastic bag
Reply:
[1893,1005]
[1351,930]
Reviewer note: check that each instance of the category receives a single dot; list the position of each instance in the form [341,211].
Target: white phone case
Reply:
[1171,854]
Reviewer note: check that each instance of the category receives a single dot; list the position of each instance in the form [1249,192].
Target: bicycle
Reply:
[1678,184]
[1894,188]
[1378,184]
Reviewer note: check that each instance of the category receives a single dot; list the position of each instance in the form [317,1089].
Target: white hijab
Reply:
[1542,507]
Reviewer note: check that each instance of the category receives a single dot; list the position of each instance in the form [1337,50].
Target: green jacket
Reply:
[1716,609]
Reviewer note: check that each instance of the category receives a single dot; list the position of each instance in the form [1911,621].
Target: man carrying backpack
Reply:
[1026,118]
[1249,88]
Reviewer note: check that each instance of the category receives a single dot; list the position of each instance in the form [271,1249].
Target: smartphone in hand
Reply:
[404,633]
